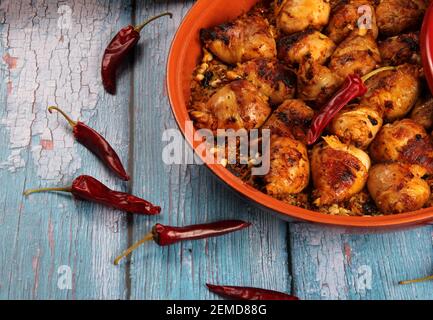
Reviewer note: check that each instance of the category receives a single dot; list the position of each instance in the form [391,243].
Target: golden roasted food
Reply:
[396,16]
[398,187]
[335,3]
[357,125]
[393,138]
[422,113]
[346,19]
[272,78]
[278,66]
[291,119]
[289,167]
[297,15]
[317,83]
[238,105]
[339,171]
[248,37]
[403,141]
[400,49]
[355,55]
[393,93]
[306,45]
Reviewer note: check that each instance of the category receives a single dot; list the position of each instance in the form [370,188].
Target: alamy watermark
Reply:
[223,147]
[65,20]
[64,280]
[364,279]
[365,21]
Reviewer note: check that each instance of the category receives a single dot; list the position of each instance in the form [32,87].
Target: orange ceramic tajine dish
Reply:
[373,165]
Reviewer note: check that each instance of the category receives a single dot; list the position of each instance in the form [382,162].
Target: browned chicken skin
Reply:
[317,83]
[356,124]
[355,55]
[335,3]
[400,49]
[238,105]
[403,141]
[393,93]
[292,55]
[345,20]
[297,15]
[272,78]
[243,39]
[398,187]
[422,113]
[306,45]
[289,167]
[291,119]
[339,171]
[396,16]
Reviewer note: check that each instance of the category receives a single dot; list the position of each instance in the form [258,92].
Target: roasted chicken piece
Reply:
[238,105]
[403,141]
[346,19]
[297,15]
[396,16]
[422,113]
[357,125]
[355,55]
[335,3]
[272,78]
[289,167]
[394,92]
[208,77]
[394,138]
[398,187]
[290,119]
[306,45]
[400,49]
[339,171]
[317,83]
[243,39]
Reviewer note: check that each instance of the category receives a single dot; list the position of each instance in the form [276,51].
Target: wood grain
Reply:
[44,61]
[189,194]
[44,232]
[334,263]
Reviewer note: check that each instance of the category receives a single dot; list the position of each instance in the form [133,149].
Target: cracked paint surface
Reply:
[324,247]
[52,53]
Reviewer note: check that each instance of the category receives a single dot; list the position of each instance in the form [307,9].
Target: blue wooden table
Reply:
[52,247]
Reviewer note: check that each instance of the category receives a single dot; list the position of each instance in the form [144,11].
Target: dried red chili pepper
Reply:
[429,278]
[90,189]
[352,88]
[96,143]
[166,235]
[120,46]
[247,293]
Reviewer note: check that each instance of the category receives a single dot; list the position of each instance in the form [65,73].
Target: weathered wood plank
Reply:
[189,194]
[47,63]
[51,59]
[332,263]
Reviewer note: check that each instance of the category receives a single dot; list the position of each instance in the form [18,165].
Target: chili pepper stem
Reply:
[31,191]
[141,26]
[70,121]
[374,72]
[416,280]
[128,251]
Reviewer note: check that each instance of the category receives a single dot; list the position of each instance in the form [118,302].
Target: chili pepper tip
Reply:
[128,251]
[31,191]
[248,293]
[416,280]
[141,26]
[70,121]
[374,72]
